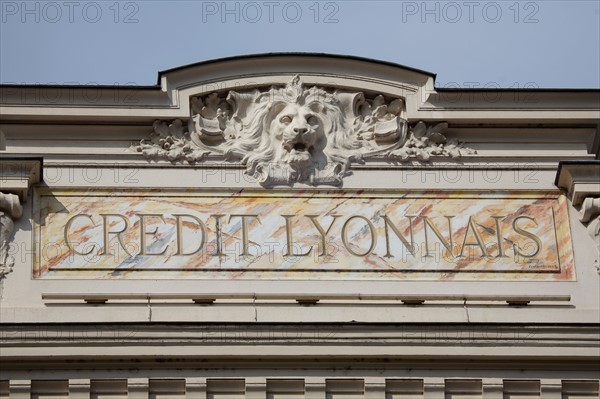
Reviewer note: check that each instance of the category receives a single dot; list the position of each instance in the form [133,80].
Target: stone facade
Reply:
[299,226]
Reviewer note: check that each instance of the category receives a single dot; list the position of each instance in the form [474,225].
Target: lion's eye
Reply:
[312,120]
[286,120]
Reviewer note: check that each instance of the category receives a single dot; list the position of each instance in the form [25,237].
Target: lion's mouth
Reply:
[300,147]
[297,146]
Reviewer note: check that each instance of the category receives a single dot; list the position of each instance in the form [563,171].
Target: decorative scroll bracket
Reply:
[581,181]
[10,210]
[17,176]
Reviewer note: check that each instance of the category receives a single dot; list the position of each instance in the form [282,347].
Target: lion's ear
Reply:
[316,106]
[274,110]
[276,107]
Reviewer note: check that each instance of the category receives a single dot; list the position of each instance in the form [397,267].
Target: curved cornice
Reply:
[170,98]
[260,56]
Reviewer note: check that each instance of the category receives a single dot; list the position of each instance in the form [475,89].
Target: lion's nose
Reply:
[300,130]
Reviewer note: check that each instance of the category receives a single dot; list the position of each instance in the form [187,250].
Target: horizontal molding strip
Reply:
[302,298]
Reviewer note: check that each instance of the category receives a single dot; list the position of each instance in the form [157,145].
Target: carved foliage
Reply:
[426,141]
[590,216]
[291,134]
[10,209]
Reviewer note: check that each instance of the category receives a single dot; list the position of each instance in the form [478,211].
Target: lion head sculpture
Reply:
[291,134]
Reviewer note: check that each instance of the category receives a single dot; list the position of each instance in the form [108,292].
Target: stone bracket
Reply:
[581,181]
[17,176]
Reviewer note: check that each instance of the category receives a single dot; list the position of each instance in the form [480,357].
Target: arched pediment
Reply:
[331,71]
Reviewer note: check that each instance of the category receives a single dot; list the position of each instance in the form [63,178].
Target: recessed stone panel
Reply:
[302,234]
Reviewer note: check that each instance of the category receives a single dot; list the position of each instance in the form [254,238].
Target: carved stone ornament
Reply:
[10,210]
[293,134]
[581,182]
[590,216]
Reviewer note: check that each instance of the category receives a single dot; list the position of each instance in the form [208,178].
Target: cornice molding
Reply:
[169,99]
[417,340]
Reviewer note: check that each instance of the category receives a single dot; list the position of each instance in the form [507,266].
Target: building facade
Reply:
[299,226]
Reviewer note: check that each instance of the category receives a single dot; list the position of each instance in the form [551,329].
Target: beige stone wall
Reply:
[150,339]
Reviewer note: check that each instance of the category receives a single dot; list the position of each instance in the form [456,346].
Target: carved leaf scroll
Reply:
[10,210]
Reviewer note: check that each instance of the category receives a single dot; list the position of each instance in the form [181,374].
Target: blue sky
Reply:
[511,43]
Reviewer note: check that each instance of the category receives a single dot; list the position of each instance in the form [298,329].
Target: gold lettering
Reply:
[410,246]
[180,233]
[244,230]
[480,243]
[107,233]
[313,218]
[371,230]
[533,237]
[290,240]
[68,242]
